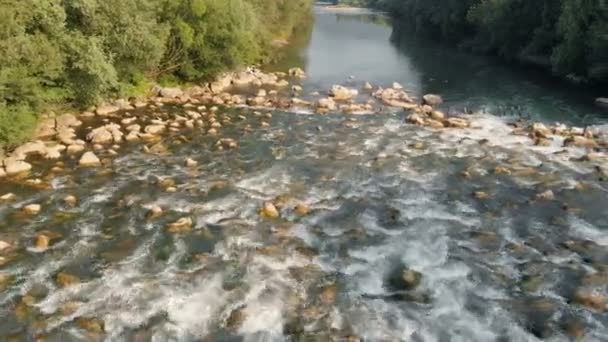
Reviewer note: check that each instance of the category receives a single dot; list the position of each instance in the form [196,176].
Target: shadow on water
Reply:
[484,82]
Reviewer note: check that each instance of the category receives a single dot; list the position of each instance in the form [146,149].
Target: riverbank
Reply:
[82,55]
[109,126]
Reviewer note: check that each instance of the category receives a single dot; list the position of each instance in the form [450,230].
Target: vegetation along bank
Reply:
[55,53]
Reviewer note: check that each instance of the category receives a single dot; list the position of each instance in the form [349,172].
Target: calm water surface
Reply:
[394,247]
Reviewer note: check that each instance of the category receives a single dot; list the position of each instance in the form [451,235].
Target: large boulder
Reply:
[107,134]
[432,99]
[341,93]
[13,166]
[31,148]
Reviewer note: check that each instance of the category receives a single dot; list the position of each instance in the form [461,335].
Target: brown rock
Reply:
[269,211]
[65,279]
[590,299]
[32,209]
[302,209]
[182,225]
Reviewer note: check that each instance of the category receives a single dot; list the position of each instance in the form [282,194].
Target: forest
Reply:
[80,52]
[567,37]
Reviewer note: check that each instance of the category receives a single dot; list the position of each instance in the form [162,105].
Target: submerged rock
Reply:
[591,299]
[269,211]
[182,225]
[191,162]
[65,279]
[154,212]
[480,195]
[302,209]
[70,200]
[545,196]
[411,278]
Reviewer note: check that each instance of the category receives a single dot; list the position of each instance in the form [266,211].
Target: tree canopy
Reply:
[83,51]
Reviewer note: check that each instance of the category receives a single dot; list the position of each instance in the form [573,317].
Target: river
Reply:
[379,237]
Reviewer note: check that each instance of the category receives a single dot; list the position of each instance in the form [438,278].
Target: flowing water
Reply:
[386,199]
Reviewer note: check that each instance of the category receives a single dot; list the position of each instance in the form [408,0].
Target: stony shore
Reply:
[95,137]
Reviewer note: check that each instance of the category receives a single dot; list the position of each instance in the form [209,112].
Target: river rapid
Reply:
[386,231]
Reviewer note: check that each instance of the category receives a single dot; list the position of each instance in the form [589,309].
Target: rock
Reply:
[2,172]
[261,93]
[257,101]
[74,149]
[182,225]
[65,279]
[433,123]
[327,103]
[92,325]
[415,118]
[191,162]
[4,245]
[502,170]
[297,72]
[282,83]
[545,196]
[7,197]
[15,167]
[42,242]
[399,104]
[170,92]
[458,123]
[70,201]
[541,131]
[411,279]
[480,195]
[106,110]
[426,109]
[341,93]
[296,88]
[602,102]
[328,294]
[368,86]
[67,120]
[302,209]
[437,115]
[154,212]
[397,86]
[30,148]
[579,141]
[154,129]
[432,99]
[590,299]
[107,134]
[89,159]
[269,211]
[32,209]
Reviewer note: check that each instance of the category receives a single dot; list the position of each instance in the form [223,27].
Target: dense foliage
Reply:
[568,36]
[82,51]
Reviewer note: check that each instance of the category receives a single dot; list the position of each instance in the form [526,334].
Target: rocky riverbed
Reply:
[249,208]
